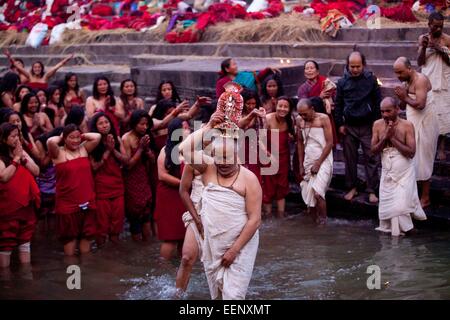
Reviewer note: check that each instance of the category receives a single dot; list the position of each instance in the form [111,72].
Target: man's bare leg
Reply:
[167,250]
[25,253]
[267,210]
[441,156]
[281,206]
[5,259]
[85,246]
[351,194]
[425,198]
[373,198]
[188,258]
[70,248]
[321,209]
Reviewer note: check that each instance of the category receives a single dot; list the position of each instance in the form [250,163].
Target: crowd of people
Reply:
[95,162]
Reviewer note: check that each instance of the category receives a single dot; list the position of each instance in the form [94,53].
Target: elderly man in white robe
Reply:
[314,144]
[394,138]
[434,58]
[230,211]
[416,97]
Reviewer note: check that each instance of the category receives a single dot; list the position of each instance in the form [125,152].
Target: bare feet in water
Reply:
[373,198]
[351,194]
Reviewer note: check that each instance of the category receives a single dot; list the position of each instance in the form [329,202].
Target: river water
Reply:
[296,260]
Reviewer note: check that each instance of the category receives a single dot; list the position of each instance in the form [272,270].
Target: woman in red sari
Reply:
[19,194]
[280,125]
[139,147]
[71,92]
[75,206]
[36,121]
[107,160]
[169,206]
[130,102]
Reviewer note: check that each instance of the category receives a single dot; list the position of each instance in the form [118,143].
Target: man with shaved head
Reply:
[434,58]
[231,212]
[394,138]
[416,98]
[357,107]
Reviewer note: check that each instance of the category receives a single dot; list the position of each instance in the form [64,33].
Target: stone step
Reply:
[317,50]
[46,59]
[87,74]
[382,69]
[440,185]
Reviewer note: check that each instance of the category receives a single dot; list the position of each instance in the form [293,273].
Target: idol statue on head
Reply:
[231,104]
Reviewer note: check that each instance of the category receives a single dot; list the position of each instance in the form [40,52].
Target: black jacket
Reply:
[357,100]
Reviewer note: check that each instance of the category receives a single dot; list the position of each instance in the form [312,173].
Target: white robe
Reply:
[439,74]
[398,193]
[224,217]
[196,196]
[315,143]
[426,130]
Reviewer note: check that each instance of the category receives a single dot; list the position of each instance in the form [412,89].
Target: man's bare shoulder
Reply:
[378,123]
[446,38]
[250,178]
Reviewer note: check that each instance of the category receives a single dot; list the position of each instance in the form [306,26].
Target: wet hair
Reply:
[171,166]
[98,152]
[175,96]
[363,58]
[42,69]
[19,88]
[280,90]
[435,16]
[162,107]
[289,120]
[313,62]
[109,92]
[26,99]
[248,94]
[75,116]
[5,131]
[65,86]
[45,136]
[206,112]
[51,91]
[224,66]
[318,105]
[24,130]
[68,129]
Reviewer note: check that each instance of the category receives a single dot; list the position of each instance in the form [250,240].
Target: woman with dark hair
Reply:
[42,97]
[169,206]
[77,117]
[130,101]
[253,119]
[272,88]
[37,77]
[75,196]
[103,100]
[280,125]
[138,194]
[166,91]
[71,92]
[26,139]
[47,178]
[19,194]
[54,108]
[23,79]
[21,91]
[8,87]
[247,79]
[107,160]
[36,121]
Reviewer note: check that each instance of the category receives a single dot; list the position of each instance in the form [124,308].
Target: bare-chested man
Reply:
[394,138]
[231,212]
[415,96]
[314,143]
[434,58]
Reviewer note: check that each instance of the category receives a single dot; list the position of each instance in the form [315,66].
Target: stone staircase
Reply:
[193,68]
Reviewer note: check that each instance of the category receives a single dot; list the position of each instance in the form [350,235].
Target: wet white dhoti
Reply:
[319,183]
[224,216]
[439,74]
[398,194]
[196,196]
[426,130]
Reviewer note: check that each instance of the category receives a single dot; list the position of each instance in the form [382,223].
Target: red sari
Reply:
[252,151]
[109,188]
[37,85]
[276,187]
[18,220]
[169,212]
[75,187]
